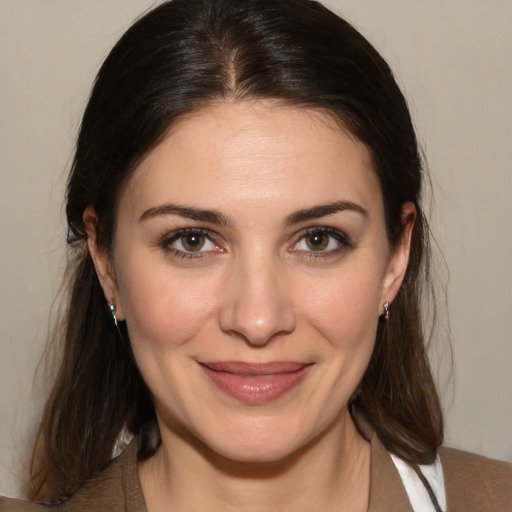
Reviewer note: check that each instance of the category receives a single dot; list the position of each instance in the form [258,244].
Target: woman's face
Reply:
[251,265]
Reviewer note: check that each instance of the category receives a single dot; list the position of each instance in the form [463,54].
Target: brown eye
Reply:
[322,242]
[193,242]
[317,240]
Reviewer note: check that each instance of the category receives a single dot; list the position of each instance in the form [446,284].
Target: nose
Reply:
[257,308]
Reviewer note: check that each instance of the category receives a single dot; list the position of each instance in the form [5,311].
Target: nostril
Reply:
[257,340]
[257,308]
[257,327]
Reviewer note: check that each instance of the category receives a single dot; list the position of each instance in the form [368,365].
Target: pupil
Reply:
[317,241]
[193,241]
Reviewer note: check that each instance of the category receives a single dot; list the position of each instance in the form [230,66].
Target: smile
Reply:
[256,383]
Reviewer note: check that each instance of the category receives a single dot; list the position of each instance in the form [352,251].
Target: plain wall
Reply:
[452,57]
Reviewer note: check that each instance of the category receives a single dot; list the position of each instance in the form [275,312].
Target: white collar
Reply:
[418,495]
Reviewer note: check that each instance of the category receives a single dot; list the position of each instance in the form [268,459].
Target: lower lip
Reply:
[256,389]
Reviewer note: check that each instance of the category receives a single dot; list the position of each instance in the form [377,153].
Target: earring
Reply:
[112,308]
[386,310]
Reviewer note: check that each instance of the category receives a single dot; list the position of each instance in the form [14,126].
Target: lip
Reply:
[256,383]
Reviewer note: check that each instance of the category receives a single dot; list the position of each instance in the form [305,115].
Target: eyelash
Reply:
[343,241]
[181,233]
[341,238]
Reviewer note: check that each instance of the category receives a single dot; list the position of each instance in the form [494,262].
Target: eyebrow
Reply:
[210,216]
[316,212]
[217,218]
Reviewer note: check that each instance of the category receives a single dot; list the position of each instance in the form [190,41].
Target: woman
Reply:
[244,207]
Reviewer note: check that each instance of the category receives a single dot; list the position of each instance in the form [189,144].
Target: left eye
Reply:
[320,240]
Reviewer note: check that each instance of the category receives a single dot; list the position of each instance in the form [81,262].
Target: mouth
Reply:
[256,383]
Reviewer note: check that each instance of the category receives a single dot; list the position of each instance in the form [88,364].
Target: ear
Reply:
[102,262]
[399,257]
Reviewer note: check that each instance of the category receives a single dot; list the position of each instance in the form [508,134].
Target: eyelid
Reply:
[341,238]
[171,237]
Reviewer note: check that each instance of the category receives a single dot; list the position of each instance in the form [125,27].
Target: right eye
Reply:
[190,243]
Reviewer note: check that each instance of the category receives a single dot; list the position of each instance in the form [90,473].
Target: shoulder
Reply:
[475,481]
[14,505]
[103,493]
[115,488]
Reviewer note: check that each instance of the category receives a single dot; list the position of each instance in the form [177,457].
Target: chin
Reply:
[254,454]
[259,442]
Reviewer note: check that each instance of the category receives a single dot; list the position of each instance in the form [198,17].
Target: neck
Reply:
[331,473]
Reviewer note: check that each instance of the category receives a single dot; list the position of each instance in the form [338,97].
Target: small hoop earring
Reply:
[112,308]
[386,310]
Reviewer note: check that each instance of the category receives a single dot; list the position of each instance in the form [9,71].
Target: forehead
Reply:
[251,154]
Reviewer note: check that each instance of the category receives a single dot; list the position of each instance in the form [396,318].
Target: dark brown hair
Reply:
[180,56]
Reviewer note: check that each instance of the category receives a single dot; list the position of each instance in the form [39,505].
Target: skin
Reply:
[265,285]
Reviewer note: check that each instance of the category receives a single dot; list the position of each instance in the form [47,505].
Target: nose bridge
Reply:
[258,305]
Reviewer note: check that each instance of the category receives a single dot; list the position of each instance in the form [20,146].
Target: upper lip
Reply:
[256,368]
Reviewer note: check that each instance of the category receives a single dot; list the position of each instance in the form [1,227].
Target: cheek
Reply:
[344,307]
[163,309]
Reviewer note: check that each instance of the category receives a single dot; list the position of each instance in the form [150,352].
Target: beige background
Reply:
[453,57]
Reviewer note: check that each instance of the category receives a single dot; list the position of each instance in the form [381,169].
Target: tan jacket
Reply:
[472,484]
